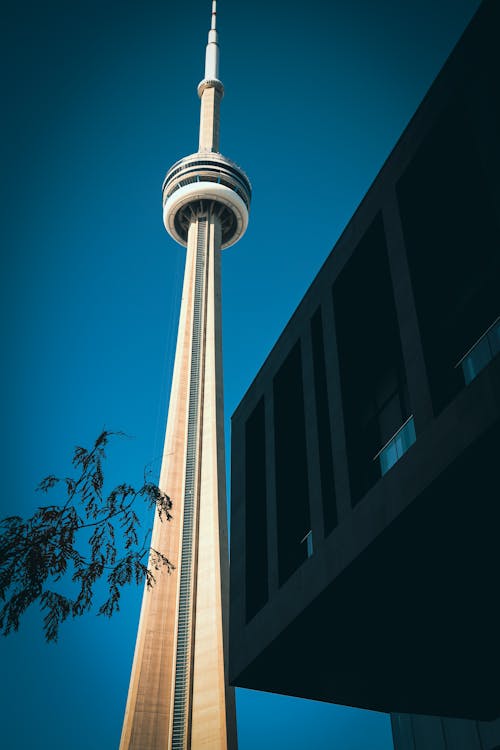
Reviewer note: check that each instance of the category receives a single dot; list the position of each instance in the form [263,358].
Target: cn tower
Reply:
[179,697]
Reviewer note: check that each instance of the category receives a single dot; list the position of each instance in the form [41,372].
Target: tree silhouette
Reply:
[43,553]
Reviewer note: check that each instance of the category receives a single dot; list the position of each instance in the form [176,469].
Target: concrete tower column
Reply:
[211,93]
[179,696]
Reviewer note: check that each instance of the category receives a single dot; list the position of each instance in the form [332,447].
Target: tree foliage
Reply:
[90,536]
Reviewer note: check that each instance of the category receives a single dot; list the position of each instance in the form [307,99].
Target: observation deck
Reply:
[199,181]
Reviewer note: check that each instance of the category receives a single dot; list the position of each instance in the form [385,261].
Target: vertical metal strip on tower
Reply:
[184,627]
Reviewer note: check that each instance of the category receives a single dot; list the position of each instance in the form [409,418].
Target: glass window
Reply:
[476,360]
[405,437]
[308,541]
[388,457]
[481,353]
[290,461]
[494,338]
[397,446]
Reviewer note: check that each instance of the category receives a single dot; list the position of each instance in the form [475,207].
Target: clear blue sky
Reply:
[99,99]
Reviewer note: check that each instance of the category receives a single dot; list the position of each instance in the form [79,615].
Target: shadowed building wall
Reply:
[369,440]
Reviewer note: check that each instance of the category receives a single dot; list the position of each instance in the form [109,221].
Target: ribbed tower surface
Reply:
[179,696]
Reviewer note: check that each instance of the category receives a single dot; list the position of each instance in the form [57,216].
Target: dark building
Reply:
[437,733]
[365,455]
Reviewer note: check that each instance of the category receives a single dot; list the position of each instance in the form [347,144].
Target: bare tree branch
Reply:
[44,550]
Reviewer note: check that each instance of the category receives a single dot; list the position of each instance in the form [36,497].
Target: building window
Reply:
[291,470]
[396,446]
[448,212]
[372,372]
[256,586]
[308,542]
[325,453]
[481,353]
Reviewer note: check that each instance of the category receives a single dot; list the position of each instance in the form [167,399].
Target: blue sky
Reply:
[99,100]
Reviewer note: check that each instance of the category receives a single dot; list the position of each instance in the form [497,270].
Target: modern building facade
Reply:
[411,732]
[179,696]
[365,492]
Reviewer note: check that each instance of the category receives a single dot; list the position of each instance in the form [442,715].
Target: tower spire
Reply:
[212,51]
[211,91]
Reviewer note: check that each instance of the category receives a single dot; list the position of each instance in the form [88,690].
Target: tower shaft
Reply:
[179,696]
[211,93]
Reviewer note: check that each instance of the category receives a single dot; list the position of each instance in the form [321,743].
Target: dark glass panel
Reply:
[256,585]
[292,493]
[323,424]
